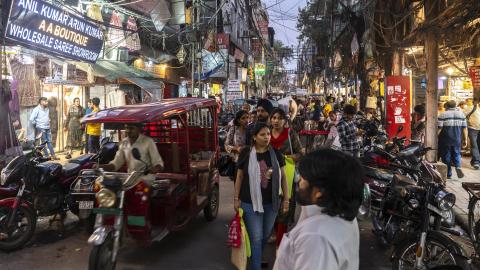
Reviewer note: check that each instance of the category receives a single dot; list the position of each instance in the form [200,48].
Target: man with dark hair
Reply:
[326,236]
[40,119]
[148,154]
[94,129]
[348,132]
[452,125]
[418,123]
[264,108]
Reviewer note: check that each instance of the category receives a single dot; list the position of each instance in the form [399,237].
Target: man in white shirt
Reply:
[148,151]
[473,120]
[326,236]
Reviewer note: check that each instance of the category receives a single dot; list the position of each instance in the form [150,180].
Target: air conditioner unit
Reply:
[116,54]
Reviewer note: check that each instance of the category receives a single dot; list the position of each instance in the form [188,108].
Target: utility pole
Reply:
[431,52]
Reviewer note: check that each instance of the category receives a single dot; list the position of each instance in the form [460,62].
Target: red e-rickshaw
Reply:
[185,133]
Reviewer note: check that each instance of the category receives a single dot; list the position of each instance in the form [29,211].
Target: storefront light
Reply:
[450,71]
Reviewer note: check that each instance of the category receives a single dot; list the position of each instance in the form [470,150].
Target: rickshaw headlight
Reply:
[106,198]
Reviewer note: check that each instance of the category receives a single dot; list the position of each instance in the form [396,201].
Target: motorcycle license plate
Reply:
[85,204]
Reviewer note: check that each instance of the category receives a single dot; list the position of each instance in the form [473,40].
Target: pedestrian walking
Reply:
[326,236]
[260,175]
[473,121]
[40,119]
[237,135]
[94,130]
[287,142]
[348,133]
[333,141]
[88,110]
[418,125]
[452,126]
[264,108]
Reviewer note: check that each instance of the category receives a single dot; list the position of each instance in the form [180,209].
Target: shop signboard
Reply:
[475,76]
[234,85]
[41,26]
[398,105]
[233,95]
[301,92]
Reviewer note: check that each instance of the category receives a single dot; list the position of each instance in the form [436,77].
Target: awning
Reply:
[113,70]
[154,88]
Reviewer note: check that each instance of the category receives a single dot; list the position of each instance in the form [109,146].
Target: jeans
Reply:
[46,137]
[259,227]
[452,153]
[93,144]
[474,141]
[86,143]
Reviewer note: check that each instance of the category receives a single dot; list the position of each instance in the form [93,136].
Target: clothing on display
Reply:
[53,113]
[28,87]
[116,36]
[9,145]
[116,98]
[14,105]
[94,12]
[132,40]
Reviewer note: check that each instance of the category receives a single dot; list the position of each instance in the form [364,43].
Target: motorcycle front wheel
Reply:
[438,252]
[101,256]
[21,230]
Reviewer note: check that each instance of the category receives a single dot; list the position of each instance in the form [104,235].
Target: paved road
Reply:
[200,246]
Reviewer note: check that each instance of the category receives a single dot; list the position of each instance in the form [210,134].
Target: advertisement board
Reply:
[475,76]
[234,85]
[52,30]
[397,111]
[233,95]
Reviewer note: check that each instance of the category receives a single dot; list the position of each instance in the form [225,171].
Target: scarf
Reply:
[254,175]
[280,140]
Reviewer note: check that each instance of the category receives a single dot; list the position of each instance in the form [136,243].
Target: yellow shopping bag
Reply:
[240,254]
[289,174]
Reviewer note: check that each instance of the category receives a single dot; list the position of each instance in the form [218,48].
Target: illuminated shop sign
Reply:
[46,28]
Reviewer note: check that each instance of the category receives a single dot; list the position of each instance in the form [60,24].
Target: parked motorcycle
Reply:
[41,190]
[81,198]
[426,247]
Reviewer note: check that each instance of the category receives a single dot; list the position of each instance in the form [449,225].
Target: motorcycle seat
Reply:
[378,174]
[71,169]
[81,159]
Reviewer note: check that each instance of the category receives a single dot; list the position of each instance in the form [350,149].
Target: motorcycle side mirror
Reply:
[136,154]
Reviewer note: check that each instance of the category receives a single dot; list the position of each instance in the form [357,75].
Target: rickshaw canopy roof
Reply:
[143,113]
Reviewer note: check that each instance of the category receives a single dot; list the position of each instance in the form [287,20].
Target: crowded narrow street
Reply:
[199,247]
[240,134]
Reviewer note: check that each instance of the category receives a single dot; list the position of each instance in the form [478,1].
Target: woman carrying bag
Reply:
[286,141]
[260,174]
[236,139]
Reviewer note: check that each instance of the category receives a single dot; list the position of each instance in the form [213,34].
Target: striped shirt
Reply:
[452,122]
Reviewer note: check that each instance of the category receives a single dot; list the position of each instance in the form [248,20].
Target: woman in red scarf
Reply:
[285,140]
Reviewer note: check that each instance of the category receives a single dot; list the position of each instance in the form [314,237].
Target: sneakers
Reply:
[459,173]
[476,166]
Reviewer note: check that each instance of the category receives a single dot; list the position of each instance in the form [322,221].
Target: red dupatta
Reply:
[280,140]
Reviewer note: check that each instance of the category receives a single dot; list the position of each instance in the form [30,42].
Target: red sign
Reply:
[223,41]
[475,76]
[397,94]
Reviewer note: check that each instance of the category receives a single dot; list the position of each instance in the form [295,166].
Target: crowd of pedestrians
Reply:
[274,173]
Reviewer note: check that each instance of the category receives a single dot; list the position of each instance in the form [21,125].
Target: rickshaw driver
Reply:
[148,151]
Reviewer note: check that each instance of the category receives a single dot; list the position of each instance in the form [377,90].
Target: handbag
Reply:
[241,254]
[226,166]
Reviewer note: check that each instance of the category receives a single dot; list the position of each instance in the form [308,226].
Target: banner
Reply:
[49,29]
[475,76]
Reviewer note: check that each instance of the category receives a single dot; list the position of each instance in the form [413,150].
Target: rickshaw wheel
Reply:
[211,209]
[100,256]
